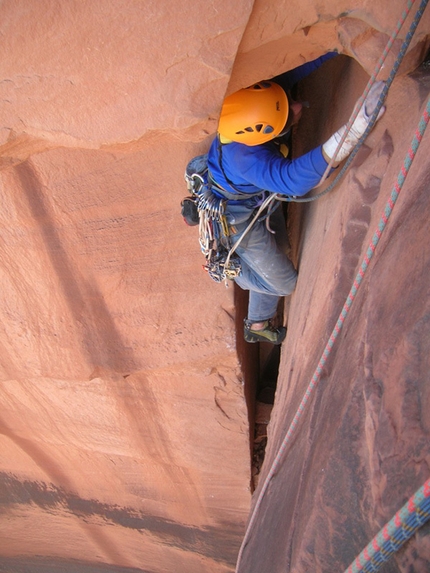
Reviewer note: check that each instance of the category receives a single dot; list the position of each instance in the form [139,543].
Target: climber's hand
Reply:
[366,111]
[372,99]
[357,129]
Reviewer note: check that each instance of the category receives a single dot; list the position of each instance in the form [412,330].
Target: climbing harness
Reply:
[214,230]
[207,210]
[366,261]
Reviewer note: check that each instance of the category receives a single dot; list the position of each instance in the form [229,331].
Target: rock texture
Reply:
[125,423]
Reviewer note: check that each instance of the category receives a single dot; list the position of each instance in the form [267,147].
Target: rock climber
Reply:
[246,161]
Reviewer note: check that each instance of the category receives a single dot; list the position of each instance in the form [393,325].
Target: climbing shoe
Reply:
[266,334]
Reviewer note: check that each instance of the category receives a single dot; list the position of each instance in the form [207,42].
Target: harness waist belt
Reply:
[227,194]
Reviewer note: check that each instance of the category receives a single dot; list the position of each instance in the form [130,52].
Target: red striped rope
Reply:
[395,533]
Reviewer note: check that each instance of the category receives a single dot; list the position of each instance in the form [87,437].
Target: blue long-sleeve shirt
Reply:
[262,167]
[252,169]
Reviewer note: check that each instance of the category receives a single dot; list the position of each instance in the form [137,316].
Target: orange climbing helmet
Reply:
[254,115]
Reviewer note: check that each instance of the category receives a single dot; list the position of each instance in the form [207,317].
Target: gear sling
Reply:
[207,210]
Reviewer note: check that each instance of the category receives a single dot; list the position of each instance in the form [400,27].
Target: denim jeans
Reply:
[267,272]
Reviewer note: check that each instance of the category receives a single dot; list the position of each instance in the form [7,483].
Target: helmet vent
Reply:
[258,128]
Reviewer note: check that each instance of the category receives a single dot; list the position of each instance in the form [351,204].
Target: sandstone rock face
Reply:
[124,426]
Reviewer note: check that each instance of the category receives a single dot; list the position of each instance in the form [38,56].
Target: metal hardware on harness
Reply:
[194,183]
[207,201]
[214,232]
[216,266]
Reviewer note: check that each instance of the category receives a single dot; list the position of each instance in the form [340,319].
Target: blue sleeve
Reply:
[292,77]
[262,167]
[266,169]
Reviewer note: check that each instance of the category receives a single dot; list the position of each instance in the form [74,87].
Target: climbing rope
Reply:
[395,533]
[381,100]
[339,324]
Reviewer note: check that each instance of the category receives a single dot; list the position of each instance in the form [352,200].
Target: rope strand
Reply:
[395,533]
